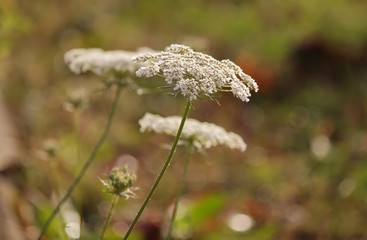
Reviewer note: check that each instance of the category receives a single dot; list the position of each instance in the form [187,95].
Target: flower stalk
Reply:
[113,204]
[86,164]
[161,173]
[189,152]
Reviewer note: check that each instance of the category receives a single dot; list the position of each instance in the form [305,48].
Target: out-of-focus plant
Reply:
[12,23]
[116,68]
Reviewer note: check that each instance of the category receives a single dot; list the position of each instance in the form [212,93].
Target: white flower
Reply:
[194,73]
[102,62]
[203,134]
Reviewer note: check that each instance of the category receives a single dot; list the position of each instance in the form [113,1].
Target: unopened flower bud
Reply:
[120,181]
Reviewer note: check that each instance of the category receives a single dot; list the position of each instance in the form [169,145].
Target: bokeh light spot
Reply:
[320,146]
[240,222]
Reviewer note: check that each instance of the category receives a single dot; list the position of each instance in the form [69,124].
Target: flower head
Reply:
[50,150]
[120,182]
[193,73]
[102,62]
[203,134]
[77,100]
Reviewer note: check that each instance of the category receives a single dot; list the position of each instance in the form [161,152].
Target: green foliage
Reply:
[197,214]
[56,229]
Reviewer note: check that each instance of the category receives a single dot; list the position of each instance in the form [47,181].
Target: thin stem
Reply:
[77,134]
[86,164]
[114,201]
[180,188]
[161,173]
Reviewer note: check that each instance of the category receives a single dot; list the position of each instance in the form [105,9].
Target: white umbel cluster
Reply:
[102,62]
[193,73]
[203,134]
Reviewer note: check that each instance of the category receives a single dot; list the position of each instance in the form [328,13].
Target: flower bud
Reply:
[120,181]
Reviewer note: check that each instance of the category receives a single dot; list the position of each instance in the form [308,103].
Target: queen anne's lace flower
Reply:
[193,73]
[102,62]
[203,134]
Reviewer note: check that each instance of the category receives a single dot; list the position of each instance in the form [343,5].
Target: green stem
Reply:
[86,164]
[180,188]
[114,201]
[161,173]
[77,135]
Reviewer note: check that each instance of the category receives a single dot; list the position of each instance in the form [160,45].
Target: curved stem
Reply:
[161,173]
[86,164]
[114,201]
[180,188]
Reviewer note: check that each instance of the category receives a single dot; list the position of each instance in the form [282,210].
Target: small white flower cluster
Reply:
[102,62]
[203,134]
[194,73]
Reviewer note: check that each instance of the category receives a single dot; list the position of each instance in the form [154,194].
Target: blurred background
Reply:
[303,176]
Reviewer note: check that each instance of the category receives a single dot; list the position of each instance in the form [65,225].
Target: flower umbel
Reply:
[203,134]
[120,182]
[193,73]
[102,62]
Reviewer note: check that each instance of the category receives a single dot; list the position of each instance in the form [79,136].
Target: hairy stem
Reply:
[86,164]
[114,201]
[180,188]
[161,173]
